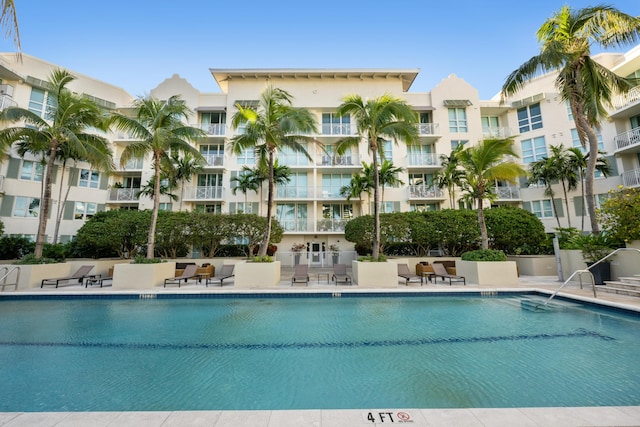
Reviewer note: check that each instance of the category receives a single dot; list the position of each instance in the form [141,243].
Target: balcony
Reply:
[338,129]
[123,194]
[631,178]
[6,102]
[628,140]
[428,129]
[294,225]
[622,101]
[133,165]
[335,160]
[207,193]
[424,192]
[214,160]
[508,193]
[293,193]
[424,160]
[329,193]
[331,225]
[293,160]
[215,129]
[496,132]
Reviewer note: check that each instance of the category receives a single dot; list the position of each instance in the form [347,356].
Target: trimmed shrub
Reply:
[484,255]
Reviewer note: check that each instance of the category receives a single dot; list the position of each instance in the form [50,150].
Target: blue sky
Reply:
[136,44]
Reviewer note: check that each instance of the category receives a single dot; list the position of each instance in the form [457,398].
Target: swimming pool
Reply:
[100,354]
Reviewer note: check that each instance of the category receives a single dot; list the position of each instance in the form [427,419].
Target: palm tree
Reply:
[450,176]
[579,161]
[185,166]
[565,173]
[483,165]
[158,127]
[360,183]
[68,123]
[275,124]
[388,174]
[377,119]
[566,39]
[9,22]
[245,182]
[543,172]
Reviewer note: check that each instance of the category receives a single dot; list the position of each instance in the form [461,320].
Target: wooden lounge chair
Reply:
[301,274]
[188,273]
[78,275]
[340,274]
[439,270]
[407,275]
[225,272]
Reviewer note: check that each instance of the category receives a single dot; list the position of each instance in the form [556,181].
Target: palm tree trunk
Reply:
[591,170]
[267,234]
[151,238]
[46,201]
[375,250]
[549,192]
[566,203]
[483,226]
[583,201]
[61,203]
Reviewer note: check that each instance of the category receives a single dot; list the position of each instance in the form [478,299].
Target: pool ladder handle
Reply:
[588,270]
[3,279]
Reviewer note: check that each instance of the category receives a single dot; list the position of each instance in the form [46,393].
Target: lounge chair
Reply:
[78,275]
[440,270]
[225,272]
[407,275]
[190,272]
[340,274]
[301,274]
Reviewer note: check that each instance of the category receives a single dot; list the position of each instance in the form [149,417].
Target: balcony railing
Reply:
[631,178]
[214,159]
[336,129]
[496,132]
[423,159]
[293,160]
[329,193]
[208,193]
[627,139]
[293,225]
[327,224]
[428,128]
[627,99]
[123,194]
[131,165]
[508,193]
[346,160]
[6,102]
[218,129]
[292,192]
[424,192]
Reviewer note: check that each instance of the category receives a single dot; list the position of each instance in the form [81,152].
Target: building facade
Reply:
[310,208]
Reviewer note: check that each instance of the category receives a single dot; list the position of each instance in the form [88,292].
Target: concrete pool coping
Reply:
[547,416]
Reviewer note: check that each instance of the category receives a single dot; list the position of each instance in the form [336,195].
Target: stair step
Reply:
[613,287]
[622,284]
[635,280]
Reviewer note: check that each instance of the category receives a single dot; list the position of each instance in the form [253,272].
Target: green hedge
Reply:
[484,255]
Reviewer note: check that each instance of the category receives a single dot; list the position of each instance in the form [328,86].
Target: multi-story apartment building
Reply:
[311,208]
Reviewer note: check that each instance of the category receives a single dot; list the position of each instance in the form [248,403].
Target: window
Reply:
[420,155]
[387,149]
[210,180]
[457,142]
[542,208]
[422,179]
[533,149]
[337,211]
[529,118]
[89,179]
[242,207]
[213,154]
[292,216]
[83,210]
[40,103]
[212,208]
[297,186]
[569,112]
[457,120]
[165,207]
[26,207]
[333,124]
[389,207]
[575,141]
[31,171]
[247,157]
[333,182]
[490,123]
[214,118]
[422,207]
[288,157]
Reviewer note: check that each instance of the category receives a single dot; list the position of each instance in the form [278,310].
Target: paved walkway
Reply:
[480,417]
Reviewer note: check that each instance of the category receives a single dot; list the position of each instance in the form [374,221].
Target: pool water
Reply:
[305,353]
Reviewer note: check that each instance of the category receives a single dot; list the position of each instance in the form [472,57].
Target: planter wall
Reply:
[375,274]
[142,276]
[31,275]
[256,275]
[535,265]
[571,260]
[501,273]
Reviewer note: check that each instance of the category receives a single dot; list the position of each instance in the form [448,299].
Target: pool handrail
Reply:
[588,270]
[3,279]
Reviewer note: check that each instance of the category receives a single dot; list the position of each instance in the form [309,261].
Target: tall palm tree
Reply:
[388,174]
[543,172]
[159,130]
[9,22]
[69,122]
[245,182]
[360,183]
[385,117]
[483,165]
[566,39]
[450,176]
[185,166]
[275,124]
[579,161]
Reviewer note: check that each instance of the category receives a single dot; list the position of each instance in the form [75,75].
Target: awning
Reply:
[457,103]
[210,108]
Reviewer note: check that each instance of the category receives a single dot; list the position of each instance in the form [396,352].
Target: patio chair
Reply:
[301,274]
[190,272]
[79,275]
[407,275]
[439,270]
[340,274]
[225,272]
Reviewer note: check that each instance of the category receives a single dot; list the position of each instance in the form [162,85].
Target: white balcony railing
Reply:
[336,129]
[346,160]
[496,132]
[218,129]
[424,192]
[508,193]
[627,99]
[423,159]
[428,128]
[214,159]
[627,139]
[6,102]
[631,178]
[208,193]
[123,194]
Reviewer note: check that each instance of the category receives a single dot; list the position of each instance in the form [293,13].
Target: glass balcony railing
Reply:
[423,159]
[218,129]
[496,132]
[294,225]
[214,159]
[336,129]
[292,192]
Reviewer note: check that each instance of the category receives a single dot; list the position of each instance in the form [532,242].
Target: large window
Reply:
[529,118]
[458,120]
[575,141]
[31,170]
[533,149]
[213,154]
[26,207]
[41,103]
[420,155]
[455,143]
[333,182]
[422,207]
[292,216]
[212,208]
[247,157]
[387,149]
[333,124]
[84,210]
[89,179]
[542,208]
[296,188]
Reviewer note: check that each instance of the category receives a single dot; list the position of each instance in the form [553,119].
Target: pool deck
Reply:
[472,417]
